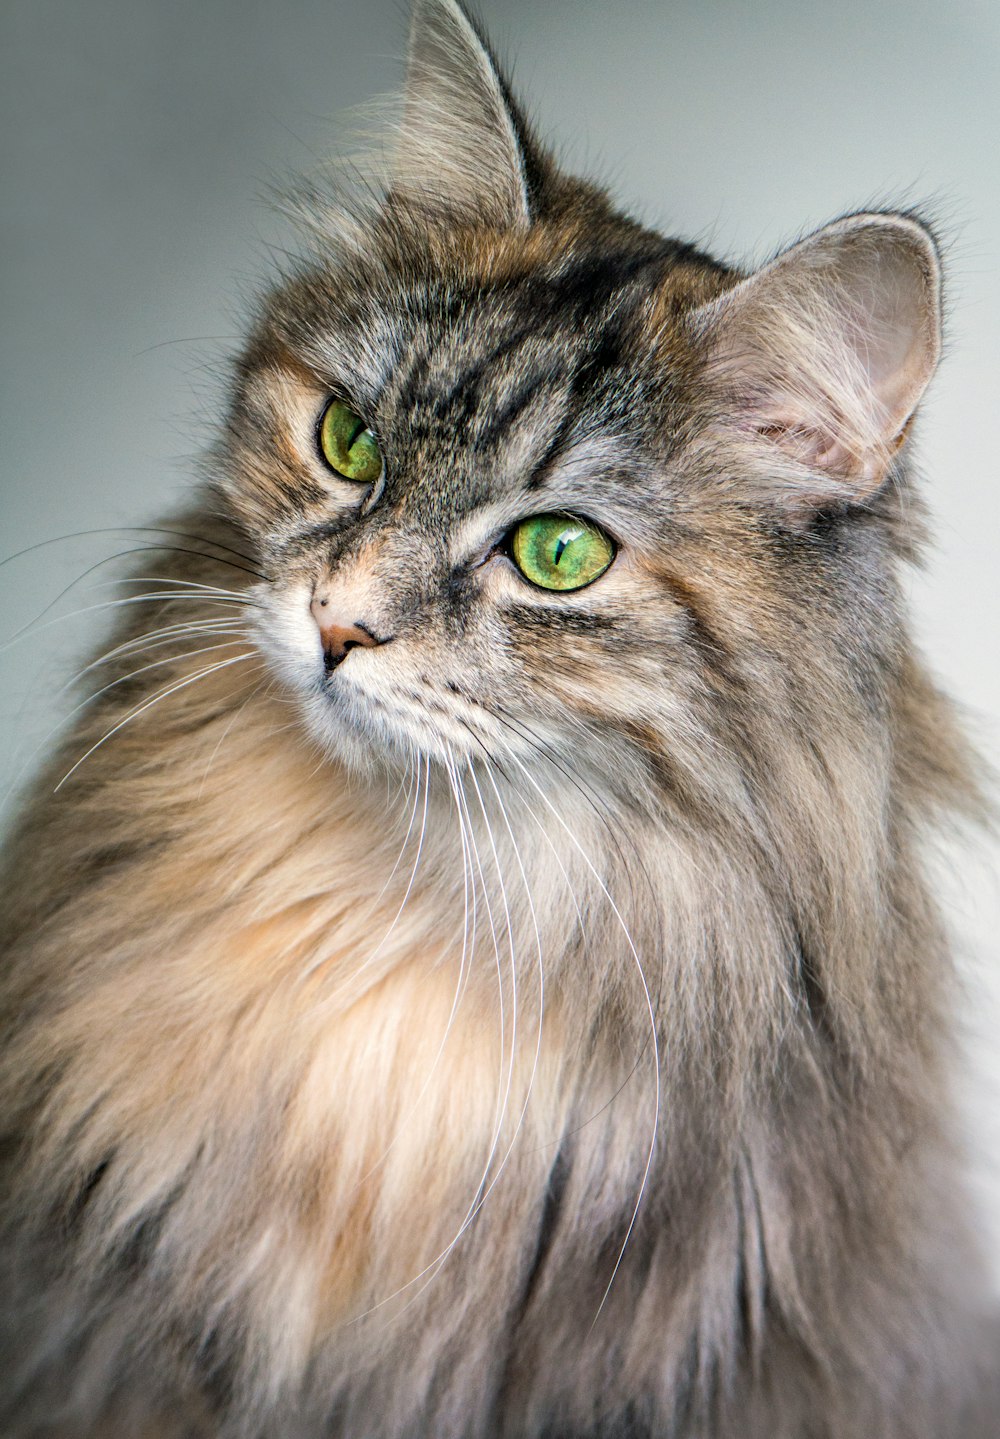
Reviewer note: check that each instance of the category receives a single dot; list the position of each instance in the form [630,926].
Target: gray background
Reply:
[139,139]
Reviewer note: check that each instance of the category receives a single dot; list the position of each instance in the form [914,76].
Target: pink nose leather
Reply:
[338,639]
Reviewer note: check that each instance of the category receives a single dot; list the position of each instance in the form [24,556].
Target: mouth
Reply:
[401,720]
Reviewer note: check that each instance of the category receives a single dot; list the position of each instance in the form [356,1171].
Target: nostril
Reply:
[338,639]
[318,604]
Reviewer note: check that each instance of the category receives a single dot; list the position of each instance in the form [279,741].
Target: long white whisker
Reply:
[181,584]
[503,1092]
[566,767]
[179,588]
[89,699]
[152,665]
[554,851]
[468,871]
[583,935]
[144,530]
[650,1010]
[468,880]
[402,784]
[155,639]
[402,850]
[121,555]
[557,857]
[576,780]
[456,1000]
[319,963]
[513,961]
[435,1264]
[172,595]
[148,704]
[211,759]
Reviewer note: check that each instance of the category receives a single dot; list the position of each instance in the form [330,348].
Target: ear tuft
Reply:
[824,353]
[460,149]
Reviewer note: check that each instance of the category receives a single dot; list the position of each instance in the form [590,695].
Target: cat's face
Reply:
[588,521]
[525,418]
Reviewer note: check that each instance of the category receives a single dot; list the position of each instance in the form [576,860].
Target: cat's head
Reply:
[529,477]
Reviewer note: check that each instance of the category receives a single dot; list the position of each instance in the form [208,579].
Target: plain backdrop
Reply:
[140,138]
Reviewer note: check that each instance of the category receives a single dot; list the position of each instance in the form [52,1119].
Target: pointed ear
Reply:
[824,354]
[461,146]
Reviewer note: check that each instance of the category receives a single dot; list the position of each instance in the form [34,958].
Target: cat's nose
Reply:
[336,638]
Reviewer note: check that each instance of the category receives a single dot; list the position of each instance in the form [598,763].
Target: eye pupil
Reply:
[348,445]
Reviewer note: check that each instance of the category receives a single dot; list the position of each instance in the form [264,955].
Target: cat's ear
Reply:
[823,354]
[462,146]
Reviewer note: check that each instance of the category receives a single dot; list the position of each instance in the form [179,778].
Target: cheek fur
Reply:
[288,636]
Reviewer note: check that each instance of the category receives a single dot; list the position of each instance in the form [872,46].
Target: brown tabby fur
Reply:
[656,1142]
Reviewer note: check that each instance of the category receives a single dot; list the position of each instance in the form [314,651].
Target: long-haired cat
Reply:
[470,972]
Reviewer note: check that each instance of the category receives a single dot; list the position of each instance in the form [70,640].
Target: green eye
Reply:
[558,552]
[348,445]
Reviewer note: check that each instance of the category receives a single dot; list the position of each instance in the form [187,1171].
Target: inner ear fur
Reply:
[823,354]
[462,148]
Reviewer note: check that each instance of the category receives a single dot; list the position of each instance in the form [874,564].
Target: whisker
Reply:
[137,530]
[557,857]
[404,785]
[155,639]
[187,340]
[320,963]
[456,1001]
[89,699]
[148,704]
[513,979]
[468,872]
[181,583]
[566,767]
[399,857]
[586,946]
[211,759]
[120,555]
[434,1265]
[172,595]
[502,1102]
[468,876]
[560,761]
[652,1023]
[153,664]
[541,968]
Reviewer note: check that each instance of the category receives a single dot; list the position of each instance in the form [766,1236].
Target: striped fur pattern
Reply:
[532,1028]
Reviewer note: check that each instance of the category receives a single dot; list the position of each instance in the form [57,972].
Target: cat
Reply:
[470,971]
